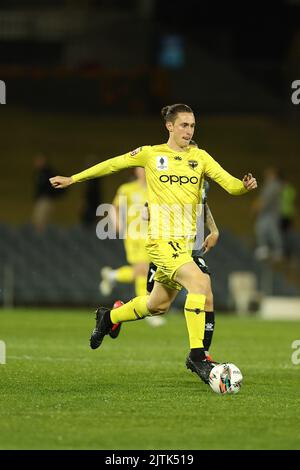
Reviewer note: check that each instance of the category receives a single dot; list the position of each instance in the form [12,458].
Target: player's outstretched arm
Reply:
[131,159]
[231,184]
[61,182]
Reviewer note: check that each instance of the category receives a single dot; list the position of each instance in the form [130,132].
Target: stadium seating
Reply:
[61,267]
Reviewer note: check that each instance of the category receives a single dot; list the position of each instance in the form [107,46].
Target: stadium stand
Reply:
[61,267]
[51,268]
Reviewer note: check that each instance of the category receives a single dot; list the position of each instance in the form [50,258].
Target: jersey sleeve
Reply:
[137,157]
[228,182]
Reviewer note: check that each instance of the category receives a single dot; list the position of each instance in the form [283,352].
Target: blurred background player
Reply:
[209,242]
[287,215]
[44,194]
[267,206]
[91,197]
[128,204]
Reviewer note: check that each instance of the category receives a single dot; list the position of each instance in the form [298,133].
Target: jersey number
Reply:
[175,248]
[151,277]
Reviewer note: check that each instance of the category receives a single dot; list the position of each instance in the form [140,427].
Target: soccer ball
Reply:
[225,378]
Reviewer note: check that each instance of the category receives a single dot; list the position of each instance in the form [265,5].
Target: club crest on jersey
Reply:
[134,152]
[193,164]
[161,162]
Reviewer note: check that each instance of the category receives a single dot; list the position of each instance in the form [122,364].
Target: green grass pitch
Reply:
[135,392]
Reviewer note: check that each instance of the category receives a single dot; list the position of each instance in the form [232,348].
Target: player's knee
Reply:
[197,286]
[193,280]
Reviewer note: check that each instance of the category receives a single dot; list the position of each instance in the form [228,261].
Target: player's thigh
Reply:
[161,297]
[140,269]
[192,278]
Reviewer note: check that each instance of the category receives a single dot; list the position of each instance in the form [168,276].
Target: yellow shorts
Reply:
[168,256]
[136,251]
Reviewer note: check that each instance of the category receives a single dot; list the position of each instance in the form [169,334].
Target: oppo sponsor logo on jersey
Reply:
[172,179]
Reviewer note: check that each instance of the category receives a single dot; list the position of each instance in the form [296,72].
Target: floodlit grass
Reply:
[135,392]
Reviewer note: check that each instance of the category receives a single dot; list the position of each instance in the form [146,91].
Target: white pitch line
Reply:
[49,359]
[133,361]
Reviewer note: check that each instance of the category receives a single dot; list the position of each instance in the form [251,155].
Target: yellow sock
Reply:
[124,274]
[135,309]
[140,285]
[195,319]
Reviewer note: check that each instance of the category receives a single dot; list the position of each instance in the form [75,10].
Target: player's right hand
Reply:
[210,241]
[60,182]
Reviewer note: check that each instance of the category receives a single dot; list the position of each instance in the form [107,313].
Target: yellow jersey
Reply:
[130,199]
[174,185]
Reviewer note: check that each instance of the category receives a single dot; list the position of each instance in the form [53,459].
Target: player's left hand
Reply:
[210,241]
[249,182]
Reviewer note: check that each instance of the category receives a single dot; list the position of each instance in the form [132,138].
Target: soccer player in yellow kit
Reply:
[198,252]
[174,173]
